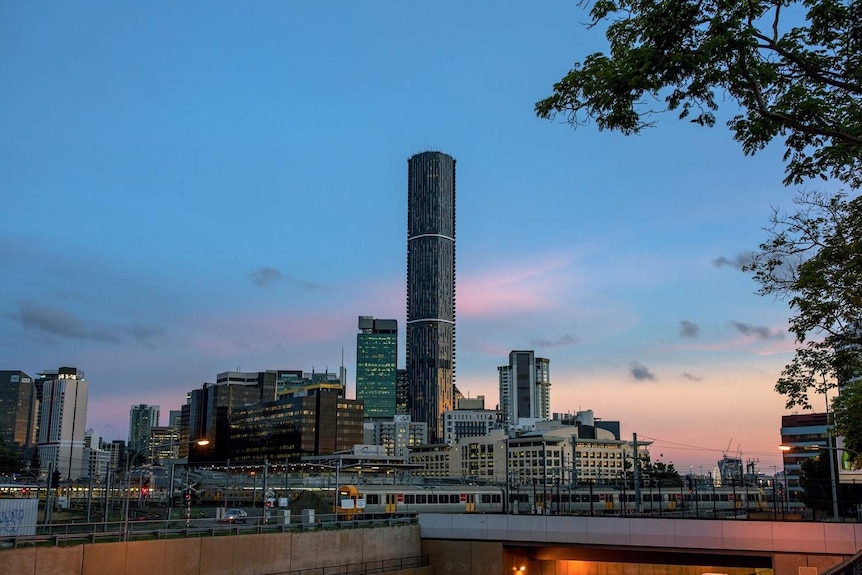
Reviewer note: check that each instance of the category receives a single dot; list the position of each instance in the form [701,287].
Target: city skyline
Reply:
[189,195]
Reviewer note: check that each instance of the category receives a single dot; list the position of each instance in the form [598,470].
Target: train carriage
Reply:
[383,499]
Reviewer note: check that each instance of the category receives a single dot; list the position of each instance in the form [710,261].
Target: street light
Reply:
[131,457]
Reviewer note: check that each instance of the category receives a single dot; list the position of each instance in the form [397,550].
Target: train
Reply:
[372,500]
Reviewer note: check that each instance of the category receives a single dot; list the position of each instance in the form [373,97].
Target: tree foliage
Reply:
[813,259]
[793,68]
[659,472]
[815,481]
[9,461]
[793,71]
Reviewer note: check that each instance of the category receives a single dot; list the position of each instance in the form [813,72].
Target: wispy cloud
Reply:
[691,377]
[531,286]
[559,341]
[758,331]
[640,372]
[147,334]
[61,323]
[268,276]
[265,276]
[688,329]
[737,261]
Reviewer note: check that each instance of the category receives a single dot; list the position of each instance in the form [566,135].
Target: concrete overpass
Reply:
[470,544]
[564,545]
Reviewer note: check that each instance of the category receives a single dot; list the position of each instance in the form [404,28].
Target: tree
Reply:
[793,69]
[664,474]
[800,82]
[813,259]
[9,461]
[815,481]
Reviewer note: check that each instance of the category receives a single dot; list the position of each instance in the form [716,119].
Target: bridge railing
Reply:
[77,533]
[366,568]
[852,566]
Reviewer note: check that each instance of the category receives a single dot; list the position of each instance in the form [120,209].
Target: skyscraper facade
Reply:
[142,419]
[430,346]
[525,387]
[376,366]
[17,409]
[63,420]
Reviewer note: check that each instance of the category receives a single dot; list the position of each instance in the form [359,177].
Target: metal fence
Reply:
[77,533]
[366,568]
[852,566]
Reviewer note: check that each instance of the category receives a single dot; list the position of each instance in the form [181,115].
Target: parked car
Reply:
[234,516]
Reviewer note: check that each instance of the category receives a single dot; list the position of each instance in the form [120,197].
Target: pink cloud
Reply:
[517,287]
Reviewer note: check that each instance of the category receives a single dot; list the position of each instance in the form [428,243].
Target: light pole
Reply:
[131,457]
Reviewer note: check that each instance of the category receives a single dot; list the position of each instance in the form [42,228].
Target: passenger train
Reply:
[366,500]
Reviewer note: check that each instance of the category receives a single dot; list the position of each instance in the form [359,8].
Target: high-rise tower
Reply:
[63,420]
[525,387]
[430,346]
[142,419]
[376,369]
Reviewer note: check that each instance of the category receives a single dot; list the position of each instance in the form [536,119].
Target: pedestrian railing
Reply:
[366,568]
[852,566]
[78,533]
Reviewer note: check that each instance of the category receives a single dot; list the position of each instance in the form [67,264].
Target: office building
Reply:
[434,460]
[318,420]
[117,454]
[553,454]
[430,346]
[803,435]
[142,419]
[164,443]
[210,408]
[397,436]
[477,402]
[525,387]
[96,461]
[376,368]
[461,423]
[62,421]
[17,410]
[402,393]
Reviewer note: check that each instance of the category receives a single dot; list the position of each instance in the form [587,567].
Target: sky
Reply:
[191,188]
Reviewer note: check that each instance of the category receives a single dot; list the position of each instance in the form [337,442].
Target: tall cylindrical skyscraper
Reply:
[430,345]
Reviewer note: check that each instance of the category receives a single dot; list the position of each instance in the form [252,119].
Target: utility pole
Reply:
[638,504]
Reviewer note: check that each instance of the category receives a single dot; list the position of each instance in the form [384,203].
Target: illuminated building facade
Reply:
[142,419]
[63,420]
[376,368]
[17,409]
[316,421]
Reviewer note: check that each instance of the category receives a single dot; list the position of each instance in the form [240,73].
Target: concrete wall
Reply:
[483,558]
[464,557]
[453,541]
[226,555]
[840,539]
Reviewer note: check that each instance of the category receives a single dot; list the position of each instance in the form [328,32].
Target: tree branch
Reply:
[805,67]
[790,121]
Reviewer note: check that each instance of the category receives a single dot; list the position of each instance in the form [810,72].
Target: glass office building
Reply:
[376,368]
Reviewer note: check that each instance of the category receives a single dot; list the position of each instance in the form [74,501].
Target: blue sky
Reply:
[190,188]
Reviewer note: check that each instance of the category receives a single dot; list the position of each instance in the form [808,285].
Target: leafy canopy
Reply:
[813,259]
[800,81]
